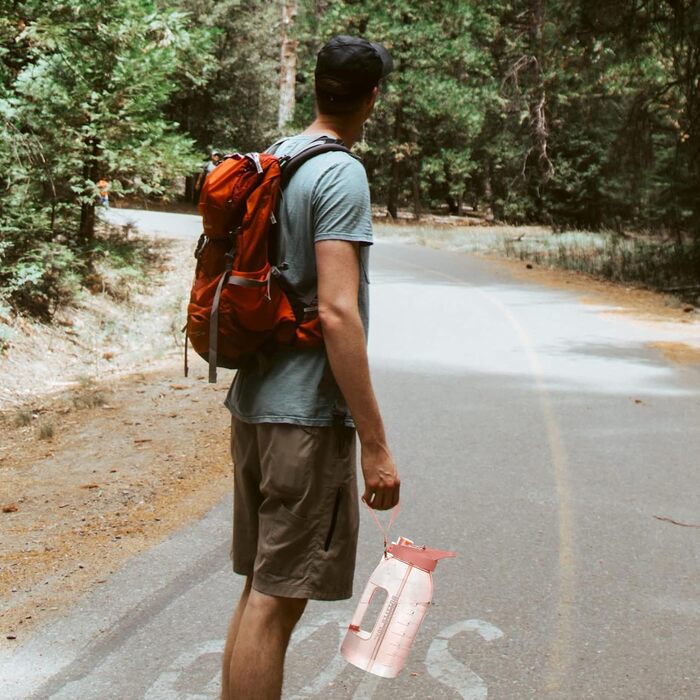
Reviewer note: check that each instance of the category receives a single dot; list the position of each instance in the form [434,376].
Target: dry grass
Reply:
[45,428]
[22,418]
[487,239]
[87,394]
[659,264]
[107,333]
[651,262]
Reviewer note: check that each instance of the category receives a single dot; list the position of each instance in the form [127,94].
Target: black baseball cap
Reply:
[348,67]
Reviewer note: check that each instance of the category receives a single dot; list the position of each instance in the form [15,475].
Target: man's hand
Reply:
[382,484]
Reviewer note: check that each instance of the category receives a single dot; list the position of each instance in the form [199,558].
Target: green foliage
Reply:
[233,104]
[560,112]
[42,279]
[83,86]
[620,107]
[420,140]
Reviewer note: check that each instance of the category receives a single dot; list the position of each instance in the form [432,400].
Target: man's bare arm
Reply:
[338,268]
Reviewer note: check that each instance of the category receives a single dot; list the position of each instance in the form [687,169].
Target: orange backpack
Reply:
[239,304]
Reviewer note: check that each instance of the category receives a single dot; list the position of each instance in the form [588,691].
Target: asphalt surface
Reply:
[536,436]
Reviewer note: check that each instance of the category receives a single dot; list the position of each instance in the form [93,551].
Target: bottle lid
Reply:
[421,557]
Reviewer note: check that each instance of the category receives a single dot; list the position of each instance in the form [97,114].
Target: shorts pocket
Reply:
[334,519]
[288,475]
[340,523]
[286,543]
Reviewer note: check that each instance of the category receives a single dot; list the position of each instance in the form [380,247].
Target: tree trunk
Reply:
[190,189]
[288,63]
[87,222]
[392,205]
[538,97]
[488,186]
[416,195]
[86,233]
[393,196]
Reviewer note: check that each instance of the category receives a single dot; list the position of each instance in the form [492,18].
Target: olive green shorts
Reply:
[295,509]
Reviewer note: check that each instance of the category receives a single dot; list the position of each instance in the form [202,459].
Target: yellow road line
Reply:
[560,648]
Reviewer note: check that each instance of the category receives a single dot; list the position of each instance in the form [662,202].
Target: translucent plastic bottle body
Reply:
[409,590]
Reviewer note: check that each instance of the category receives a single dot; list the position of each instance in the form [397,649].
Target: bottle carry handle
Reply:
[384,531]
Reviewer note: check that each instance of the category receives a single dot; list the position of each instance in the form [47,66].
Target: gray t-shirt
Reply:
[326,199]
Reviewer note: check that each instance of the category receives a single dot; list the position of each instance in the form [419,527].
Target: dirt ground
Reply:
[105,447]
[129,461]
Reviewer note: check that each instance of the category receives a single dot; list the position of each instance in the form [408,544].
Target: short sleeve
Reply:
[340,203]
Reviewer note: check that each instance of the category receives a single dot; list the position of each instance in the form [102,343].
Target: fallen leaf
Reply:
[10,508]
[140,440]
[90,486]
[178,387]
[675,522]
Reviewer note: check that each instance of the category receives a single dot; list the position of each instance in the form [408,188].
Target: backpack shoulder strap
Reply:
[289,165]
[324,144]
[271,149]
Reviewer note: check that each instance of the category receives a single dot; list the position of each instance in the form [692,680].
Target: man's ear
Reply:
[371,100]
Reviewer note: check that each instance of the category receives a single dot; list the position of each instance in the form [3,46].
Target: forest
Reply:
[577,114]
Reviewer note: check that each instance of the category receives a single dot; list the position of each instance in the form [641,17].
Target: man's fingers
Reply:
[381,502]
[382,497]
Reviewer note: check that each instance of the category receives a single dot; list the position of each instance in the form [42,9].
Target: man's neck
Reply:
[347,132]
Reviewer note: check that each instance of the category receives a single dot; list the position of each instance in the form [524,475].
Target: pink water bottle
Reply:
[405,574]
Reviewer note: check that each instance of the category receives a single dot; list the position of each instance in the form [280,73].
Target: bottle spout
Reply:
[421,557]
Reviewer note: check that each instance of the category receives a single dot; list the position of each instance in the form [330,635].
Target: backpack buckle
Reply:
[201,245]
[255,158]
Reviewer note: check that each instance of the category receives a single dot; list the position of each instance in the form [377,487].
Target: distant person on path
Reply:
[103,189]
[215,159]
[293,428]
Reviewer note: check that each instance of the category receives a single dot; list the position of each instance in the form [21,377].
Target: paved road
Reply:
[536,436]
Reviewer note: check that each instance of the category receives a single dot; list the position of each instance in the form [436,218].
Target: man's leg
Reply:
[257,661]
[231,640]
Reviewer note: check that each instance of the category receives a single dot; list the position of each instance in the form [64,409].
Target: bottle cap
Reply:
[421,557]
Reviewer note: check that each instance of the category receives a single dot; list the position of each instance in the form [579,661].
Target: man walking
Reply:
[293,426]
[213,161]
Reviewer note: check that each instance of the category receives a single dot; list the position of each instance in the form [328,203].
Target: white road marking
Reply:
[328,674]
[611,374]
[449,671]
[440,664]
[165,686]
